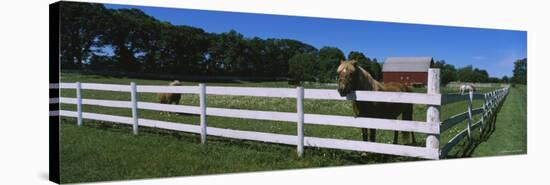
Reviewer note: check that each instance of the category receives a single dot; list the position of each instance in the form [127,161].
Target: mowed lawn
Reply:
[101,151]
[510,135]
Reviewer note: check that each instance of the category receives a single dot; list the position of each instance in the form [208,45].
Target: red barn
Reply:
[412,71]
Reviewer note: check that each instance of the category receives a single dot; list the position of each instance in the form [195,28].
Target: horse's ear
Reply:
[354,62]
[342,61]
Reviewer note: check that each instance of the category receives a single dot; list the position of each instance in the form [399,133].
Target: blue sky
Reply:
[489,49]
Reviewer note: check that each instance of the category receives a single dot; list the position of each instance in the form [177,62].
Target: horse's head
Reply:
[346,72]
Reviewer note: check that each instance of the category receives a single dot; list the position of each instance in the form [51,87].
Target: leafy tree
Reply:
[505,79]
[372,66]
[448,71]
[376,70]
[520,71]
[329,59]
[302,66]
[126,32]
[184,49]
[493,80]
[281,50]
[128,40]
[153,45]
[481,75]
[240,55]
[80,28]
[226,52]
[99,62]
[470,74]
[257,58]
[360,57]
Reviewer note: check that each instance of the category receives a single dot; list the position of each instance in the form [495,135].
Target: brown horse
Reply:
[352,77]
[170,98]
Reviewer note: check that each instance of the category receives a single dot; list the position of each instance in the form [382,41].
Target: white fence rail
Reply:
[321,94]
[315,119]
[433,99]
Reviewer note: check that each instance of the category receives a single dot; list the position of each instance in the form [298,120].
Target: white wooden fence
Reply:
[492,100]
[431,127]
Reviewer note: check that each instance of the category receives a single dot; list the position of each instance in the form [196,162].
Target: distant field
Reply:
[105,151]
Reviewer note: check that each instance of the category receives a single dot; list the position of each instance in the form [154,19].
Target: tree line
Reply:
[470,74]
[128,40]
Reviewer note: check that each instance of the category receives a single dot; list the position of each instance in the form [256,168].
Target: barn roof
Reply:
[407,64]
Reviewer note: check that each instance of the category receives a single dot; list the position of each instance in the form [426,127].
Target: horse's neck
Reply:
[367,82]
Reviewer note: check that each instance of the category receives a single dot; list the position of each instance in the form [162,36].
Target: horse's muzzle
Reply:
[343,91]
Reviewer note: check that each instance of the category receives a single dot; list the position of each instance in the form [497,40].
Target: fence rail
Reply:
[320,94]
[314,119]
[455,119]
[266,137]
[432,126]
[457,97]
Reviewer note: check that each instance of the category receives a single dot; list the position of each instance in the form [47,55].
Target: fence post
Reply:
[134,107]
[432,114]
[484,113]
[498,94]
[202,101]
[470,99]
[79,103]
[494,98]
[300,121]
[490,103]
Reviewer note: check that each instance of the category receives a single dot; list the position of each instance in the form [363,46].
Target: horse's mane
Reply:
[372,83]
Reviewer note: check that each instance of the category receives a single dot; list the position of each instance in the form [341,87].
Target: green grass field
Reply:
[101,151]
[510,135]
